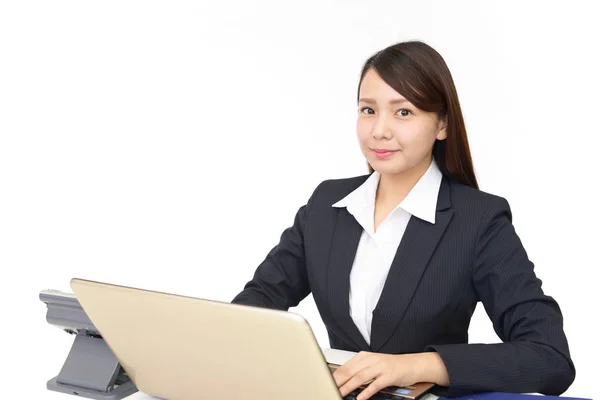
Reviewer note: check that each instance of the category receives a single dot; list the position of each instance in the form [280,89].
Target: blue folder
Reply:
[509,396]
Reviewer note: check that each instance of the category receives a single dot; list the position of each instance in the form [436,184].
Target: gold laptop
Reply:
[178,347]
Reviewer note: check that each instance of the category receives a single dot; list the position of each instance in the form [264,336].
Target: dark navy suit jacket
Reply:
[472,253]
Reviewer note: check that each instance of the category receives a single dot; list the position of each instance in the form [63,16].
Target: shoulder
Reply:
[332,190]
[466,199]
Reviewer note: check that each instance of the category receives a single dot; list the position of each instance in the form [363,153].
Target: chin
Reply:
[388,169]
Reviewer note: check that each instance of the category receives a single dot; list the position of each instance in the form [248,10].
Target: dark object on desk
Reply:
[91,370]
[507,396]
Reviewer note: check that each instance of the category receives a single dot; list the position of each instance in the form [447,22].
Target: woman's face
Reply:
[394,135]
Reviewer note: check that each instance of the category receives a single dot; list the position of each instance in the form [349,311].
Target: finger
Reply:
[362,377]
[351,368]
[377,385]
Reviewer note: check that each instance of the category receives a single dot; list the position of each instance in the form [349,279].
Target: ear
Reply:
[442,134]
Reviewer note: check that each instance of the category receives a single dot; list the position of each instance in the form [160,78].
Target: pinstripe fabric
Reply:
[437,277]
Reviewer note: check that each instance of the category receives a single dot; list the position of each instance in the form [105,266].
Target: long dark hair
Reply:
[420,74]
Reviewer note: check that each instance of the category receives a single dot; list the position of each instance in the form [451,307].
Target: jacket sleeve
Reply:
[281,281]
[534,356]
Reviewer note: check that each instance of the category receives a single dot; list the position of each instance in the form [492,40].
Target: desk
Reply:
[142,396]
[487,396]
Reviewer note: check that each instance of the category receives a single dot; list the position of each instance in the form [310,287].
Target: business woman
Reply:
[397,259]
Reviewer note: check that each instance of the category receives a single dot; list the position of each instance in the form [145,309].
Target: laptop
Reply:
[178,347]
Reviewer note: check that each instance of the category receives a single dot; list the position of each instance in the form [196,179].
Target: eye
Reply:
[367,110]
[404,112]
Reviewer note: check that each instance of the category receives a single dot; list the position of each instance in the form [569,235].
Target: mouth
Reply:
[383,153]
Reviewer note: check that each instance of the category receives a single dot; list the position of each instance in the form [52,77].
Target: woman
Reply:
[397,259]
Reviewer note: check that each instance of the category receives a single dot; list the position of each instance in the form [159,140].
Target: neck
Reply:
[393,188]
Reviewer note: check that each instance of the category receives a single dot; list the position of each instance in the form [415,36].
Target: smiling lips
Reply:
[383,153]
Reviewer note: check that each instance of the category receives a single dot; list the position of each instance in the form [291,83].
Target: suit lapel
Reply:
[343,250]
[416,248]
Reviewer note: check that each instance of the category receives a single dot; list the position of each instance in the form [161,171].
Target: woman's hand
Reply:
[384,370]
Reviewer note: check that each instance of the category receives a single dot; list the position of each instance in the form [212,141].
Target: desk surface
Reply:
[143,396]
[489,396]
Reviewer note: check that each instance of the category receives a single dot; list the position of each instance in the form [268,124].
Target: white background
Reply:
[166,145]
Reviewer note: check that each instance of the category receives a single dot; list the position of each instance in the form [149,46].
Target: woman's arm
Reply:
[280,281]
[534,357]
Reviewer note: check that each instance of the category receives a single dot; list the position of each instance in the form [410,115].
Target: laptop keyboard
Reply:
[376,396]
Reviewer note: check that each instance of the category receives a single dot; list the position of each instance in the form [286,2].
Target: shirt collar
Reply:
[421,201]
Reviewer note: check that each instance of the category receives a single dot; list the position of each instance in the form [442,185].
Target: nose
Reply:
[381,129]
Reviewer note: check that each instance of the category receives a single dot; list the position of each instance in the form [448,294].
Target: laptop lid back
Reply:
[179,347]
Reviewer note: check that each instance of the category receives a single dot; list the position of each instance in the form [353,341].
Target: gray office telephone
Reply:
[91,369]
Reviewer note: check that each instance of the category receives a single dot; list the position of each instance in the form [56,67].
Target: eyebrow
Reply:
[396,101]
